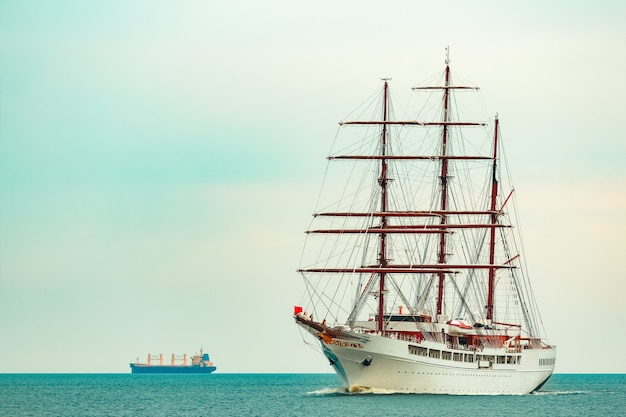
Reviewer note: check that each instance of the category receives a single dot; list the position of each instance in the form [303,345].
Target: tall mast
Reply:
[383,265]
[444,182]
[382,181]
[494,220]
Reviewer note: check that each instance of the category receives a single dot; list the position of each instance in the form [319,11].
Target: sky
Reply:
[160,161]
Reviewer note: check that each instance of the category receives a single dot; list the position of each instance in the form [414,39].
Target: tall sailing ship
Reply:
[413,271]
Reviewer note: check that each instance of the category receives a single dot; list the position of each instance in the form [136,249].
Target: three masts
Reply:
[424,242]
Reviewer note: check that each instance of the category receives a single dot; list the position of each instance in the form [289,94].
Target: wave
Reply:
[560,392]
[360,391]
[380,391]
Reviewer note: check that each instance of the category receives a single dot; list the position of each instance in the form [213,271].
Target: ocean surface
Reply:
[287,395]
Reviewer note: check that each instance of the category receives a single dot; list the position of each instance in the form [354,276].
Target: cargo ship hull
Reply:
[162,369]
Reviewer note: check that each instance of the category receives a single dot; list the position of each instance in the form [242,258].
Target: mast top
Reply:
[447,55]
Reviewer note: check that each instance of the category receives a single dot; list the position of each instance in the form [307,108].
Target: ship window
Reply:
[446,355]
[434,353]
[418,350]
[457,357]
[469,357]
[500,359]
[546,362]
[512,359]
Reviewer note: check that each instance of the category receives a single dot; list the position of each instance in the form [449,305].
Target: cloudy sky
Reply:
[160,160]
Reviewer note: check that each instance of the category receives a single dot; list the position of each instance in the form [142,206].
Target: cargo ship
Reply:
[200,364]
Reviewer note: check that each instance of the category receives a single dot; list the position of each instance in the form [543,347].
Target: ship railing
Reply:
[459,346]
[406,337]
[517,344]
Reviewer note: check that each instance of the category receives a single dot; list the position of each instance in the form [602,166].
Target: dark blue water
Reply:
[287,395]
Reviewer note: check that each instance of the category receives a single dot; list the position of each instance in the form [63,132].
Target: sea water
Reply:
[287,395]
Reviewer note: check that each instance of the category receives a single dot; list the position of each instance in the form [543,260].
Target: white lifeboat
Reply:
[458,327]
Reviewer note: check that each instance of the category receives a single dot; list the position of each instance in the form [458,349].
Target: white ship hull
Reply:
[369,361]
